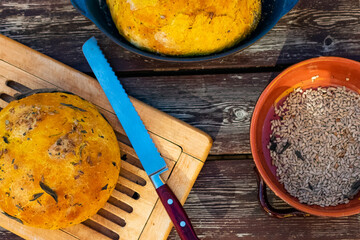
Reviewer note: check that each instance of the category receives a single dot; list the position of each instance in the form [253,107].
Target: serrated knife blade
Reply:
[130,120]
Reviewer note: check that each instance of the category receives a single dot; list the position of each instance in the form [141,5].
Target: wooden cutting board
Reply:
[134,210]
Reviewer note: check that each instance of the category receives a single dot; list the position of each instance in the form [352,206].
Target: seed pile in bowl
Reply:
[315,145]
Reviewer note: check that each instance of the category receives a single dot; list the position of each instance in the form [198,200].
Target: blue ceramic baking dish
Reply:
[98,12]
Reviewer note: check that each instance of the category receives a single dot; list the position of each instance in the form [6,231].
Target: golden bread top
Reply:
[59,160]
[185,27]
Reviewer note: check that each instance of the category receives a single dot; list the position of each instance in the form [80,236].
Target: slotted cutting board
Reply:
[134,210]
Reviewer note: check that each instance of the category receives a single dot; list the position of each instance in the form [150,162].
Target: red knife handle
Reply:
[176,213]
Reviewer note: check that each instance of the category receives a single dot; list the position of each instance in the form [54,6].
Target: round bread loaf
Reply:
[185,27]
[59,160]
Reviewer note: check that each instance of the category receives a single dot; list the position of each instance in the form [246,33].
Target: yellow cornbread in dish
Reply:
[185,27]
[59,160]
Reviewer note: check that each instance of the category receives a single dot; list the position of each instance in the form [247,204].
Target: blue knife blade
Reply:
[130,120]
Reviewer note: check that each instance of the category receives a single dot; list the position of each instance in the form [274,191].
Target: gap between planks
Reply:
[190,72]
[229,157]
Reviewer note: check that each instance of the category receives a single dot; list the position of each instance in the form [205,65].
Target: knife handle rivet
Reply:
[170,201]
[182,224]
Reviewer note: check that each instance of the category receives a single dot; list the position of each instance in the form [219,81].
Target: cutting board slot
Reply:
[112,217]
[132,177]
[7,98]
[123,156]
[127,208]
[122,138]
[127,191]
[101,229]
[130,159]
[17,86]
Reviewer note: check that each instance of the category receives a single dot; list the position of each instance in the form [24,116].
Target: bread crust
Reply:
[185,27]
[59,160]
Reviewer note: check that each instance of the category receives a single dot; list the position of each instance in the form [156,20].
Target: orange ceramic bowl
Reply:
[313,73]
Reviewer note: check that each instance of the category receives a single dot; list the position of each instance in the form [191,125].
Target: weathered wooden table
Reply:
[216,96]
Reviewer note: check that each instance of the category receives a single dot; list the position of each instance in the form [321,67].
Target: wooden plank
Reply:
[220,105]
[223,205]
[311,29]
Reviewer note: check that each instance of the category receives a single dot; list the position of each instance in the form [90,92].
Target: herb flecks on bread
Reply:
[56,156]
[185,27]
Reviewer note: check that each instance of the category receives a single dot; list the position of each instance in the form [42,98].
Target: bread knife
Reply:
[139,137]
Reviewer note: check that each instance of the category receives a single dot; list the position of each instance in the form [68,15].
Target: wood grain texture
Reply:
[311,29]
[221,104]
[223,205]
